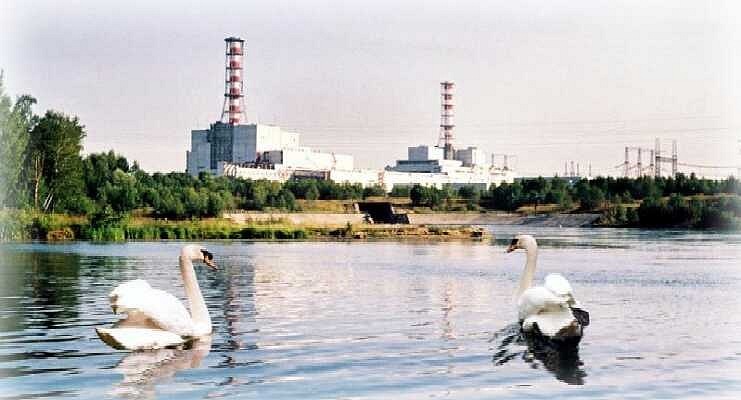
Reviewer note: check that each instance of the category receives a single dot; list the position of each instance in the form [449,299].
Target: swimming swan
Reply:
[551,309]
[156,319]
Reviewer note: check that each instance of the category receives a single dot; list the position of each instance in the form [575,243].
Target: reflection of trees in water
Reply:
[563,362]
[41,288]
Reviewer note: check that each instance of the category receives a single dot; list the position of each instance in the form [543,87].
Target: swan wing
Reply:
[557,284]
[536,300]
[151,308]
[138,338]
[549,311]
[561,287]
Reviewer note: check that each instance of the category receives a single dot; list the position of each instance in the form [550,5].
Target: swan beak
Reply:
[513,245]
[211,264]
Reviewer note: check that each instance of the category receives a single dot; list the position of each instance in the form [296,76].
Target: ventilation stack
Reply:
[234,111]
[446,119]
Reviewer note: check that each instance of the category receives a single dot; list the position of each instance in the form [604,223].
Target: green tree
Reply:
[312,193]
[53,160]
[400,191]
[374,191]
[121,193]
[16,121]
[195,202]
[593,198]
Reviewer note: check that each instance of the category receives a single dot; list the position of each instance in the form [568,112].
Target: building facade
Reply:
[234,144]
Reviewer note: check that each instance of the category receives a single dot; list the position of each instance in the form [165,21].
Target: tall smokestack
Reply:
[446,119]
[233,111]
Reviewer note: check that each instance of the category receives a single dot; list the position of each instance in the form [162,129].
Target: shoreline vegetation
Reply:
[50,190]
[22,226]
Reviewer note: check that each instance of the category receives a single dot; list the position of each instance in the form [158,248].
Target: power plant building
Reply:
[234,148]
[232,142]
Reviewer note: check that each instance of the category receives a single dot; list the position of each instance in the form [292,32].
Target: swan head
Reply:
[526,242]
[199,253]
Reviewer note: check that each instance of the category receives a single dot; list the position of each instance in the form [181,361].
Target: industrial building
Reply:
[234,148]
[236,144]
[444,165]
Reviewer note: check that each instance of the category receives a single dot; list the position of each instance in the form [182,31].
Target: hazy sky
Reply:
[549,81]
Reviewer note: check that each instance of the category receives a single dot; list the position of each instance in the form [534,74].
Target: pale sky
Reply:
[548,81]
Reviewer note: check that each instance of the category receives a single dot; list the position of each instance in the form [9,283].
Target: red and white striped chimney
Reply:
[234,110]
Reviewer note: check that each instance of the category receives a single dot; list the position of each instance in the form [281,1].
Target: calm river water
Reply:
[383,319]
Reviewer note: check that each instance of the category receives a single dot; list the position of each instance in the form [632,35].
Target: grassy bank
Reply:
[23,225]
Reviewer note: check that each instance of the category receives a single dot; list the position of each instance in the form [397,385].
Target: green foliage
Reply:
[15,224]
[312,193]
[676,211]
[400,191]
[374,191]
[121,193]
[424,196]
[53,162]
[506,196]
[16,121]
[472,196]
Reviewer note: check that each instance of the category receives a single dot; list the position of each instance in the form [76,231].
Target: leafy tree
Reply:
[373,191]
[312,193]
[506,196]
[195,202]
[53,160]
[592,199]
[400,191]
[16,121]
[121,193]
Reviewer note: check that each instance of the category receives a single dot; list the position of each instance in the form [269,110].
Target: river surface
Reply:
[383,319]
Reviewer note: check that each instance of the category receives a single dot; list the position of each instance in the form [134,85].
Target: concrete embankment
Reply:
[564,220]
[311,219]
[337,219]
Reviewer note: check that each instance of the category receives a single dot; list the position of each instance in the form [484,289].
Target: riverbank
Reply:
[436,218]
[19,226]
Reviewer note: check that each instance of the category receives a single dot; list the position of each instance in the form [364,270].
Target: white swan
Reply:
[156,319]
[551,309]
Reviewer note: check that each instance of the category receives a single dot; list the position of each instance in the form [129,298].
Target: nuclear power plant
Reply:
[233,147]
[233,144]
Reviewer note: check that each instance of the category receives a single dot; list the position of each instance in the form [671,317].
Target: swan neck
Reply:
[528,275]
[197,305]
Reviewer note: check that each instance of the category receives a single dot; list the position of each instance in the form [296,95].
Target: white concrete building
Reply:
[424,153]
[426,166]
[308,159]
[365,177]
[471,156]
[242,144]
[236,171]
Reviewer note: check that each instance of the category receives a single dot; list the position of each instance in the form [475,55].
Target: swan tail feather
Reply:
[582,316]
[130,338]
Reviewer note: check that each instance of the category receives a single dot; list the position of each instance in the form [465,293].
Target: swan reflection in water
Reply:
[563,362]
[143,370]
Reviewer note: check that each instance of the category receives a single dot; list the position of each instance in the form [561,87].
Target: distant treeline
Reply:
[43,170]
[681,201]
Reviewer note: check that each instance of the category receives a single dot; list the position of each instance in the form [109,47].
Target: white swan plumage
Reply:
[550,309]
[155,318]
